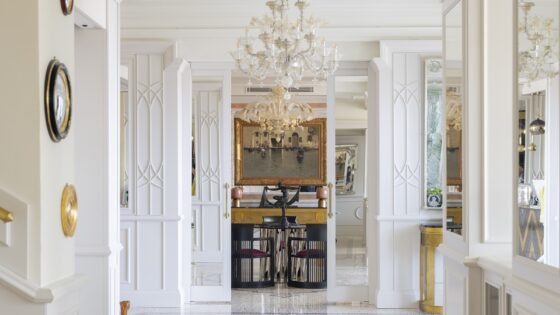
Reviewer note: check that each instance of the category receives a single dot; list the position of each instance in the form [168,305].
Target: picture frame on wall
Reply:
[58,100]
[292,157]
[346,167]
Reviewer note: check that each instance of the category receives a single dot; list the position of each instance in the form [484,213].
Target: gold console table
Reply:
[256,215]
[431,238]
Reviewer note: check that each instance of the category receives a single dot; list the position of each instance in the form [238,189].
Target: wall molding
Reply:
[40,295]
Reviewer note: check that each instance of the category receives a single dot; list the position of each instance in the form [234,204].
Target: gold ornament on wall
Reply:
[69,210]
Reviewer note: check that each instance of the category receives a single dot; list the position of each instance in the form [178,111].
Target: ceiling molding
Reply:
[349,34]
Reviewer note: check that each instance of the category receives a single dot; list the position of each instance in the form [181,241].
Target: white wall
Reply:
[96,120]
[35,170]
[95,10]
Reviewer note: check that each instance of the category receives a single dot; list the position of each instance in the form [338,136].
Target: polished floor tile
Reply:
[278,300]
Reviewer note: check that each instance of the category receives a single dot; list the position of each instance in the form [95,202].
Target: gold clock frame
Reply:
[69,210]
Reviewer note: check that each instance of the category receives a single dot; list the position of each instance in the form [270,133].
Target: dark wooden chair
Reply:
[307,259]
[252,263]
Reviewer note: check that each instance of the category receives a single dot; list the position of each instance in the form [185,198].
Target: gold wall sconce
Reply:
[69,210]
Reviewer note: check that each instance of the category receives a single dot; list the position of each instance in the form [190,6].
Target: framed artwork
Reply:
[346,166]
[292,157]
[58,100]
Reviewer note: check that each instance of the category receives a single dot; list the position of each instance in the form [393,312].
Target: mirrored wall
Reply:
[453,118]
[537,135]
[433,152]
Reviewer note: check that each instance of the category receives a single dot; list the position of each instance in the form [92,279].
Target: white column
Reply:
[96,119]
[152,228]
[398,145]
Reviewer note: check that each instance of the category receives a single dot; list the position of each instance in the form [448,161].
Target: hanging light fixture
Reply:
[285,49]
[540,60]
[537,126]
[277,114]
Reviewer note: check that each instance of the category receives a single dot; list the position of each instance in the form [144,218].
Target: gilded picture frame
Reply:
[294,157]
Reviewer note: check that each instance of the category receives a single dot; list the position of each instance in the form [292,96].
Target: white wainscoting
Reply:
[151,226]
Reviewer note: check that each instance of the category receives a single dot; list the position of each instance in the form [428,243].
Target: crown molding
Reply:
[341,34]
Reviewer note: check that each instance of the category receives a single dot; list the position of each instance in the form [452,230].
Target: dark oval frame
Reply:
[67,9]
[55,69]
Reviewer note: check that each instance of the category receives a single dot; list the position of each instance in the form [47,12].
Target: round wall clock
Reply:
[58,100]
[67,6]
[69,210]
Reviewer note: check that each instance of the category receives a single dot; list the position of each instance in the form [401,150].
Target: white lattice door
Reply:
[211,224]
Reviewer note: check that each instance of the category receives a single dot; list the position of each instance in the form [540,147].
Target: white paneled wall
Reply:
[151,226]
[207,203]
[399,120]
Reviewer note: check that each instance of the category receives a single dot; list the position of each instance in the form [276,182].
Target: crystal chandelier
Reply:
[284,49]
[277,114]
[539,61]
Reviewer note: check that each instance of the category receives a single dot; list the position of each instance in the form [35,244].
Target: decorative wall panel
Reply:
[407,133]
[151,227]
[399,115]
[207,106]
[149,135]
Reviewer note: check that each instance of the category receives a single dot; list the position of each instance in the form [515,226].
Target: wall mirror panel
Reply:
[453,117]
[124,165]
[351,178]
[433,142]
[537,135]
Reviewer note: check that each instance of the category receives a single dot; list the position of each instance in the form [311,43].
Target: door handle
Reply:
[6,216]
[331,214]
[227,187]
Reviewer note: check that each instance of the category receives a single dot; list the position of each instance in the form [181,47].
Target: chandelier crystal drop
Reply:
[285,49]
[277,114]
[540,60]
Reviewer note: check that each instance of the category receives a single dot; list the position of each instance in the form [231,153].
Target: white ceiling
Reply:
[347,20]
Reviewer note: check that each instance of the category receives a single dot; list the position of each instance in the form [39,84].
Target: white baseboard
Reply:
[167,298]
[397,299]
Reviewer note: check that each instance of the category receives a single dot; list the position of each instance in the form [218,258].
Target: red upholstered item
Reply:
[248,252]
[311,253]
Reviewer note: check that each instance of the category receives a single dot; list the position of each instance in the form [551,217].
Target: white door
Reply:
[349,241]
[211,166]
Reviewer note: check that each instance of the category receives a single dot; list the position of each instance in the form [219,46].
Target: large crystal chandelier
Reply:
[277,114]
[284,49]
[540,60]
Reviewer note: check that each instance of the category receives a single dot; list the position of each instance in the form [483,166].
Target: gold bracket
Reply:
[6,216]
[331,214]
[227,187]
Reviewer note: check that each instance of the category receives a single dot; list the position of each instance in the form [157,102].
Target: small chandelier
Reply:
[539,61]
[277,114]
[285,49]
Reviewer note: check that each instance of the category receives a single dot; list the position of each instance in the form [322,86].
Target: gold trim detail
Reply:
[330,200]
[431,238]
[255,215]
[6,216]
[69,210]
[259,181]
[227,187]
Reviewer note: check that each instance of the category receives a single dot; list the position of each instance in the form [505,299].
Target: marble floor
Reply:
[278,300]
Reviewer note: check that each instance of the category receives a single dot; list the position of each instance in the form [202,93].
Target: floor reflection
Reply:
[277,300]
